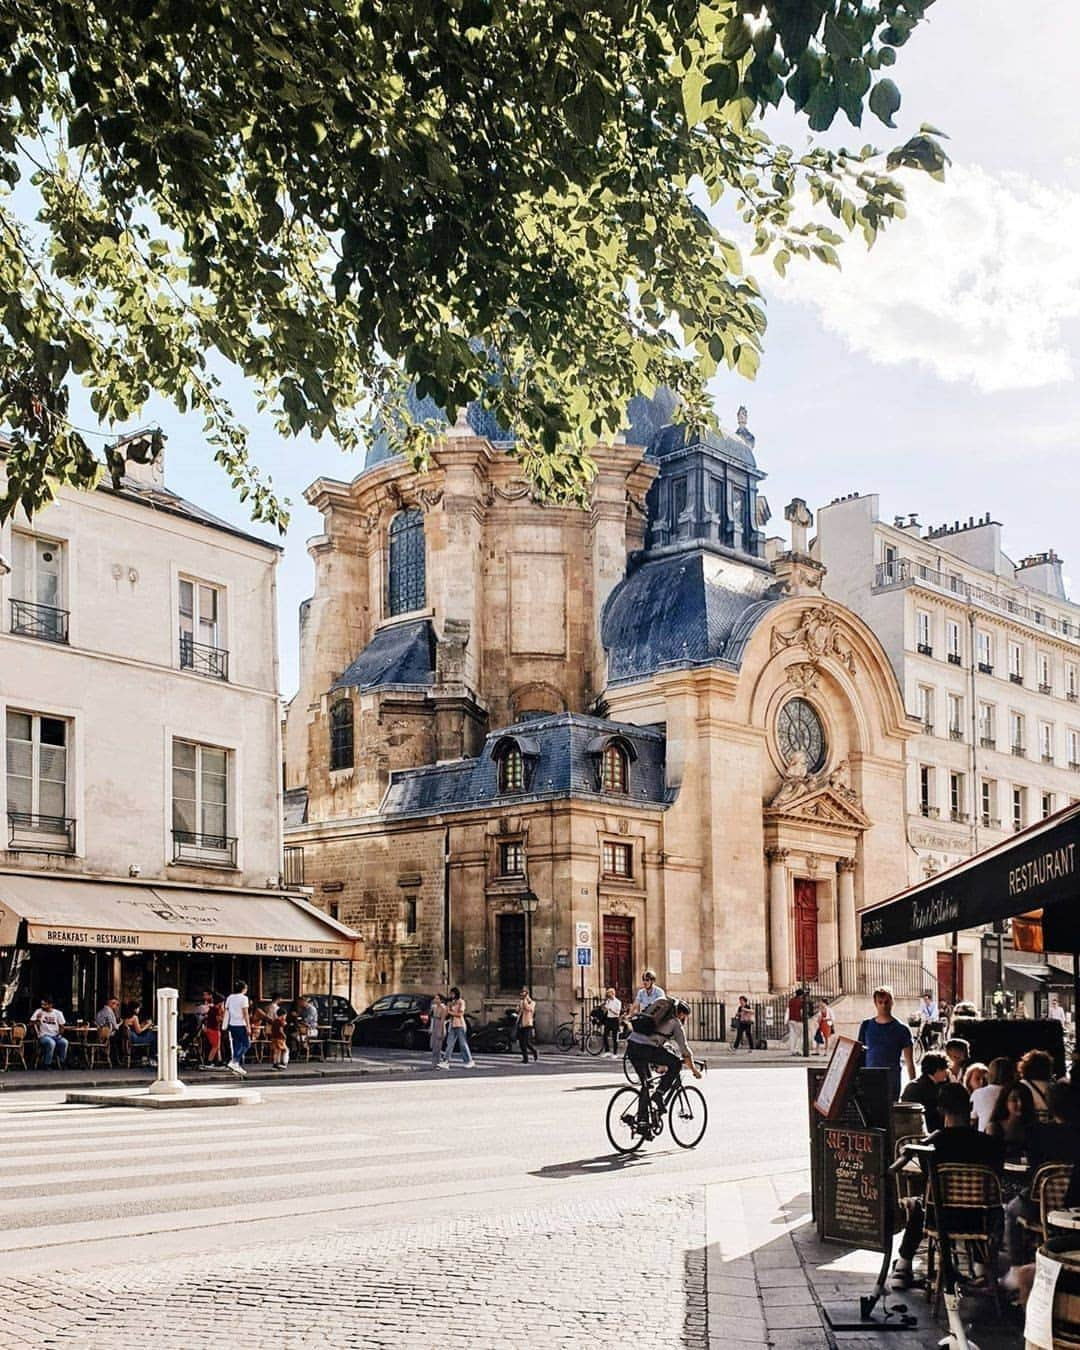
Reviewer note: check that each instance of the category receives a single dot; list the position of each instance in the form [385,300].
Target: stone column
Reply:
[167,1082]
[779,932]
[845,906]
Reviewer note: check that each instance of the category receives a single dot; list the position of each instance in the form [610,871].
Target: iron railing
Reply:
[203,660]
[28,830]
[863,974]
[39,621]
[188,846]
[292,866]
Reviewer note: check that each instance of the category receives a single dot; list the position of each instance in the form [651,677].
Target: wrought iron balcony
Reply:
[1074,764]
[217,849]
[956,733]
[1046,688]
[955,659]
[986,668]
[930,812]
[1019,751]
[988,742]
[292,868]
[1015,677]
[39,621]
[1048,759]
[212,662]
[924,649]
[991,822]
[960,817]
[928,727]
[43,834]
[1072,695]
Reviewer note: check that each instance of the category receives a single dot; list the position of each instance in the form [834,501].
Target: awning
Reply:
[136,916]
[1039,867]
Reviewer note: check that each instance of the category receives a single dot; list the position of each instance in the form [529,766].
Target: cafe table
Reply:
[1063,1218]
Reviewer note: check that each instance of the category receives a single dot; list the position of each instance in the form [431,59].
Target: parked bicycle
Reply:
[683,1105]
[588,1036]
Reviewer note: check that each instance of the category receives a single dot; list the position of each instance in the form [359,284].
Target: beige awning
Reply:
[136,916]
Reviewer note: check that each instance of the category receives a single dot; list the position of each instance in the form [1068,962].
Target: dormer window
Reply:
[511,768]
[615,770]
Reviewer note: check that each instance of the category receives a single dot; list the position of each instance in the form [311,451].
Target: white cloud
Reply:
[977,284]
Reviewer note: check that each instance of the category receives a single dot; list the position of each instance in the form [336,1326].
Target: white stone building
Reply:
[140,791]
[987,653]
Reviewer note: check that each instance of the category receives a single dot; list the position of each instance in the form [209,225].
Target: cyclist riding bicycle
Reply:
[646,1048]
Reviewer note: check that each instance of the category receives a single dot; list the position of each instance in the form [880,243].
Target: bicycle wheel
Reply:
[687,1117]
[917,1049]
[565,1038]
[594,1042]
[621,1115]
[629,1072]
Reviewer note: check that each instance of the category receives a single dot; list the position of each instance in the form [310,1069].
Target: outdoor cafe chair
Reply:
[1048,1188]
[15,1046]
[97,1046]
[971,1204]
[342,1042]
[309,1043]
[131,1052]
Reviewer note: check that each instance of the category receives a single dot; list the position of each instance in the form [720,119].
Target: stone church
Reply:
[522,729]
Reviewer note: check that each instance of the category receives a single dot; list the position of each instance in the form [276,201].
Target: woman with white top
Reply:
[1001,1075]
[238,1021]
[612,1010]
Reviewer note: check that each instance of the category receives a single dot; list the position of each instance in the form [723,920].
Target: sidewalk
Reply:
[768,1278]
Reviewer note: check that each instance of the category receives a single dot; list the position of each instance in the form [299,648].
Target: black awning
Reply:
[1036,868]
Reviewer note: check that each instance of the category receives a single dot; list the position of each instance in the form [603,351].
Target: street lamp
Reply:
[530,902]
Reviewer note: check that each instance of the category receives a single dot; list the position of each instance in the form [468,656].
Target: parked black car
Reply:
[397,1019]
[343,1010]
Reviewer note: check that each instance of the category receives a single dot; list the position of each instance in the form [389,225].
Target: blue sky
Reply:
[939,369]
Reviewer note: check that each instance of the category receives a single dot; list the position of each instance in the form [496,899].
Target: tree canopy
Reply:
[504,199]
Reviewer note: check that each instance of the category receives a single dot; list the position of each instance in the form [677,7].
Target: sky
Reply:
[941,369]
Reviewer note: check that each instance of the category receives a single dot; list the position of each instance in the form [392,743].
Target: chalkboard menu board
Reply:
[853,1178]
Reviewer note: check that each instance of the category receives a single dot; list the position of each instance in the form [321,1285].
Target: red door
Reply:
[946,992]
[806,926]
[618,955]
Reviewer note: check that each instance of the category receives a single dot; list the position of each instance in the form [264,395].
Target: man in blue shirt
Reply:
[887,1040]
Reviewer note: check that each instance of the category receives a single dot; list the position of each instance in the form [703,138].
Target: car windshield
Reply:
[380,1005]
[402,1001]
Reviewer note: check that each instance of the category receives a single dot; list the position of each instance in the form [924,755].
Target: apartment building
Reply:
[140,788]
[987,652]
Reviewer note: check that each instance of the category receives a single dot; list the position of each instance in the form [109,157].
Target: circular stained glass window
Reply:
[799,729]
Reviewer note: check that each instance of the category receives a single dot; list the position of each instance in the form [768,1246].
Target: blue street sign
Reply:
[584,956]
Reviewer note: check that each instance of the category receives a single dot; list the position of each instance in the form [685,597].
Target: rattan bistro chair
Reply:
[15,1047]
[342,1042]
[97,1048]
[1048,1188]
[973,1215]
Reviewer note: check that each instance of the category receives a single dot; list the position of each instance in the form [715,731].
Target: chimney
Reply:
[140,456]
[1042,572]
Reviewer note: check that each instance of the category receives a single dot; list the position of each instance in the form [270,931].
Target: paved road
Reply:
[478,1209]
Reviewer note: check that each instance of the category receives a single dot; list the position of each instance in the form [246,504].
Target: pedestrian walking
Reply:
[238,1024]
[794,1022]
[437,1032]
[458,1035]
[612,1009]
[212,1024]
[824,1028]
[279,1041]
[744,1024]
[526,1032]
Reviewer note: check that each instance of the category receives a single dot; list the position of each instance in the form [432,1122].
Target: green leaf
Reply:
[884,101]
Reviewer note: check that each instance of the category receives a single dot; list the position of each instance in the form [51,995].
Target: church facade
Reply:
[520,726]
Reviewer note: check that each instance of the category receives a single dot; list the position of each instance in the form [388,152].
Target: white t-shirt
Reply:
[613,1006]
[235,1007]
[1057,1013]
[983,1101]
[48,1023]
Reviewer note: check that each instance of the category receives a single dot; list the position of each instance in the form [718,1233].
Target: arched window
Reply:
[341,733]
[511,769]
[407,588]
[615,770]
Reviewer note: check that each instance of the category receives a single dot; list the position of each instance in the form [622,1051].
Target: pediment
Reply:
[819,806]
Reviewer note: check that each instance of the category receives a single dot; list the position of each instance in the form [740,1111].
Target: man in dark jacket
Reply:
[933,1071]
[955,1142]
[1055,1141]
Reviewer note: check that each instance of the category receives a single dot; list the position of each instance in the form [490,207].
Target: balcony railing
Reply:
[924,649]
[958,817]
[988,742]
[931,812]
[1019,752]
[986,668]
[216,849]
[955,659]
[991,822]
[292,867]
[1046,688]
[1074,764]
[1048,759]
[928,727]
[39,621]
[43,834]
[956,733]
[1072,695]
[904,571]
[212,662]
[1015,677]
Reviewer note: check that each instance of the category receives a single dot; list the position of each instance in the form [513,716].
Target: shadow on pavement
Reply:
[603,1165]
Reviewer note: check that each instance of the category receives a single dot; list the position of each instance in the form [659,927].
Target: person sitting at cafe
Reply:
[933,1071]
[108,1017]
[1054,1141]
[141,1033]
[48,1023]
[1000,1075]
[1036,1072]
[955,1142]
[958,1053]
[1013,1117]
[308,1015]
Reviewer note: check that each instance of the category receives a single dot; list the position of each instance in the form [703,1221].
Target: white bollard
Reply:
[167,1083]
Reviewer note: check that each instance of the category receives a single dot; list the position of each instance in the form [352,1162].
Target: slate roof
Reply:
[561,760]
[401,654]
[671,439]
[696,608]
[160,498]
[295,807]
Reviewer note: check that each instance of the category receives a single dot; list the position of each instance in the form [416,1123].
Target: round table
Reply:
[1064,1218]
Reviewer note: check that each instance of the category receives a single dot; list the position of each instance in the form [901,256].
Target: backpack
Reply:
[663,1010]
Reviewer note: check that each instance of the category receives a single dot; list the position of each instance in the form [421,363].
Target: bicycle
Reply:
[589,1040]
[935,1039]
[683,1105]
